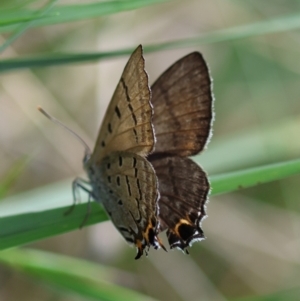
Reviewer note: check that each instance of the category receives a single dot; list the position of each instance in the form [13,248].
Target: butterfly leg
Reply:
[88,210]
[76,184]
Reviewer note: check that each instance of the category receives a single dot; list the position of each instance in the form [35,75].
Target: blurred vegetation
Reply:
[252,47]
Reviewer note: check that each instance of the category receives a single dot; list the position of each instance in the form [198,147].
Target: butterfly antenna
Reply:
[86,147]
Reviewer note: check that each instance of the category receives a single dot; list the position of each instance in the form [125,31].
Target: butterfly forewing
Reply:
[182,102]
[127,122]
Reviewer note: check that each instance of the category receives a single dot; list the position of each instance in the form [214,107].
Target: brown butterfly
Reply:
[139,170]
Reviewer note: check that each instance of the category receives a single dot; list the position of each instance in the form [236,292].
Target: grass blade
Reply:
[254,176]
[86,279]
[24,228]
[12,175]
[286,23]
[286,295]
[60,14]
[24,26]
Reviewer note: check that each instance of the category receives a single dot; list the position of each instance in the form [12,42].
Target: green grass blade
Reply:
[24,26]
[24,228]
[286,295]
[87,279]
[58,59]
[253,176]
[61,14]
[12,175]
[245,31]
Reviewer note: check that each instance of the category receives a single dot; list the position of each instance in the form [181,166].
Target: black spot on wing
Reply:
[139,188]
[117,110]
[109,128]
[128,186]
[134,162]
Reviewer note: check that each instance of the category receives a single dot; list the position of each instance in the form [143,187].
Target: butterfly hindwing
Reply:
[126,184]
[183,188]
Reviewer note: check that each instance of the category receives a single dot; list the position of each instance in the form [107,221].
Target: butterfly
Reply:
[139,169]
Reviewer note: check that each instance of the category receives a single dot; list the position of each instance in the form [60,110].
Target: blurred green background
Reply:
[252,246]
